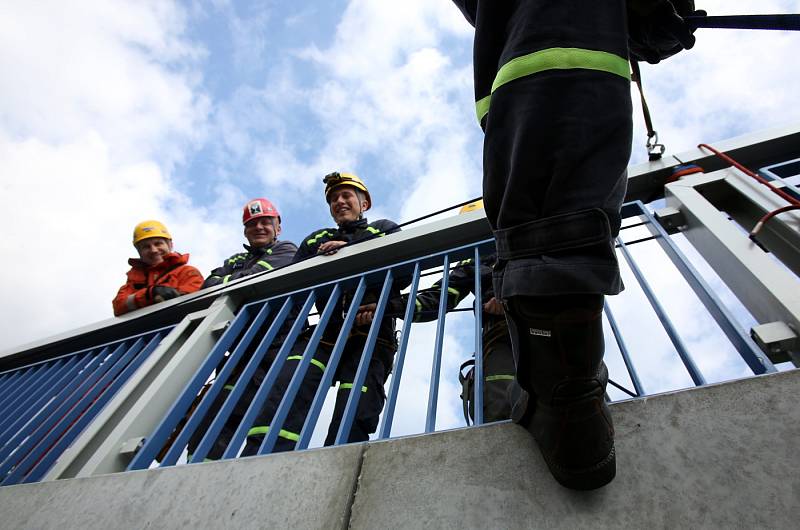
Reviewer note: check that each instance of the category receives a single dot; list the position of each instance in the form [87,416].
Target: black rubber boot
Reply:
[558,342]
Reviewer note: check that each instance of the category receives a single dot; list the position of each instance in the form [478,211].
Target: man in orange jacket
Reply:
[158,274]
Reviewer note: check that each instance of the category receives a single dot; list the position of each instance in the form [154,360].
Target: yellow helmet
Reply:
[471,207]
[148,229]
[336,179]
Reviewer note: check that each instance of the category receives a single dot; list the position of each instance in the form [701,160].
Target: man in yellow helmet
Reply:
[348,199]
[158,273]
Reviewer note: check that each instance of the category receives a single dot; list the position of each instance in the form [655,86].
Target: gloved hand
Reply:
[160,293]
[657,31]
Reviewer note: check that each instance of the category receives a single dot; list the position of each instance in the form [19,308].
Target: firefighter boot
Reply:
[559,343]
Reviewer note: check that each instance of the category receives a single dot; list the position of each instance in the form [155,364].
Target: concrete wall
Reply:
[723,456]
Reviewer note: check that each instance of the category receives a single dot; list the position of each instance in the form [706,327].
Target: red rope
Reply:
[794,204]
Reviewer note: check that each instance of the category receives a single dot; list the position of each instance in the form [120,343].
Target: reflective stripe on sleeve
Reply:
[289,435]
[318,236]
[226,279]
[265,265]
[374,230]
[554,59]
[228,387]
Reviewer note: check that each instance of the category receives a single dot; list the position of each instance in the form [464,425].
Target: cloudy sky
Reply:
[112,112]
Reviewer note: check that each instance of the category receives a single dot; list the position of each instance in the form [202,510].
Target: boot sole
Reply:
[585,479]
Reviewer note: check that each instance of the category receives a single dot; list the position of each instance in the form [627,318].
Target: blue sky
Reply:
[114,111]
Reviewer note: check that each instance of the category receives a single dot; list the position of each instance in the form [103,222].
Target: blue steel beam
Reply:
[478,309]
[330,370]
[35,444]
[268,443]
[433,391]
[269,380]
[408,318]
[27,432]
[221,380]
[108,388]
[747,348]
[29,394]
[623,350]
[152,446]
[10,394]
[32,382]
[238,390]
[672,333]
[65,375]
[363,365]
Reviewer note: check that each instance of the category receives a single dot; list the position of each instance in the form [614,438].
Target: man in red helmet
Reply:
[262,225]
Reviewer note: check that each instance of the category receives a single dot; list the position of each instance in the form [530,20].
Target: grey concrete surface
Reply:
[724,456]
[312,489]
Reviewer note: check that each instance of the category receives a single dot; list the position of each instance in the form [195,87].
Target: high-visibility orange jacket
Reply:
[173,272]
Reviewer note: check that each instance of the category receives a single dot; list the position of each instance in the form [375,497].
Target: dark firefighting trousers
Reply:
[498,375]
[369,408]
[556,149]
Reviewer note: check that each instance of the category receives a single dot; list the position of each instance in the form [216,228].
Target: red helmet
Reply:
[256,208]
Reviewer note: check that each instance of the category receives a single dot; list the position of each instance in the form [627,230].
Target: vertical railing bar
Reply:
[269,380]
[623,350]
[330,370]
[479,379]
[145,456]
[363,366]
[683,353]
[276,424]
[180,441]
[11,393]
[31,395]
[408,318]
[69,370]
[113,380]
[216,426]
[29,391]
[433,393]
[30,448]
[745,346]
[27,433]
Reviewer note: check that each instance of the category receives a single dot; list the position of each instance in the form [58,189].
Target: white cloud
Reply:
[98,105]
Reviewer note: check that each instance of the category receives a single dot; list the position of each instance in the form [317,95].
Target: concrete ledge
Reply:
[723,456]
[312,489]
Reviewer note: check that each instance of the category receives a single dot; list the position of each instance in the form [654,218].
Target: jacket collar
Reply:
[349,227]
[259,250]
[172,259]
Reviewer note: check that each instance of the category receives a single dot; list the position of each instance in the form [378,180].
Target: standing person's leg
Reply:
[498,374]
[555,155]
[373,395]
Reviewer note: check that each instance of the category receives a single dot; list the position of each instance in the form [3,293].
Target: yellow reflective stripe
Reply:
[466,262]
[289,435]
[227,387]
[417,309]
[315,362]
[318,236]
[554,59]
[265,265]
[499,377]
[375,231]
[226,279]
[453,292]
[269,251]
[348,386]
[482,107]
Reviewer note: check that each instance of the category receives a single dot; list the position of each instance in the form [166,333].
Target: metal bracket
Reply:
[777,339]
[671,219]
[132,446]
[219,327]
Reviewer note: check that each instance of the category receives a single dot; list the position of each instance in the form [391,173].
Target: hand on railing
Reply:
[494,307]
[365,315]
[330,247]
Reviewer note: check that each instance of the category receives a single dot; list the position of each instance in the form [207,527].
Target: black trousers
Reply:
[370,404]
[556,149]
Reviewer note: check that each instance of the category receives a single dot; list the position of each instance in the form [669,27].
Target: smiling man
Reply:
[158,273]
[262,226]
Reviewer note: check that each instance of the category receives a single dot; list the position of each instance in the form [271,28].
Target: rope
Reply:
[655,150]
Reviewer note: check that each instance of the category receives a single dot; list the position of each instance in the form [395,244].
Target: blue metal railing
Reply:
[282,323]
[45,406]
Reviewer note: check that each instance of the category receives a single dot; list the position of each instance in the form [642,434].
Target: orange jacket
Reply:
[174,272]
